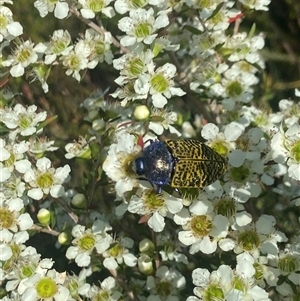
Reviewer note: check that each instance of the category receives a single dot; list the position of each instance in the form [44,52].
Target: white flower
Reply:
[118,164]
[24,55]
[165,285]
[46,179]
[203,44]
[39,146]
[203,229]
[224,141]
[244,47]
[156,206]
[289,112]
[23,120]
[12,244]
[164,121]
[27,264]
[89,8]
[252,265]
[127,93]
[248,289]
[171,250]
[15,161]
[48,286]
[259,237]
[11,217]
[132,64]
[77,284]
[250,146]
[159,83]
[99,46]
[123,6]
[80,149]
[256,4]
[108,289]
[60,8]
[86,240]
[287,262]
[8,28]
[76,60]
[118,254]
[14,186]
[285,147]
[141,26]
[216,284]
[58,45]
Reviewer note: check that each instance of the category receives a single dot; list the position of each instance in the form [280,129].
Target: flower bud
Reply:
[98,125]
[79,201]
[146,245]
[145,265]
[64,238]
[141,112]
[44,216]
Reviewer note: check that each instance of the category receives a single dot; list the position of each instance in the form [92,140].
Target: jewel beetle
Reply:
[180,164]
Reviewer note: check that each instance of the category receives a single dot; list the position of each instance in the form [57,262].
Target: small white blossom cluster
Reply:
[137,240]
[26,175]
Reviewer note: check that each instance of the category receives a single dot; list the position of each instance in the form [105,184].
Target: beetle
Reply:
[180,164]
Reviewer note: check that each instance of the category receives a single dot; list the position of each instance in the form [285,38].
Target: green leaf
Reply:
[46,122]
[252,31]
[218,8]
[192,29]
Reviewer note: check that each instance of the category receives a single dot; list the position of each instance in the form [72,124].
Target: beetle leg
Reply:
[178,191]
[149,140]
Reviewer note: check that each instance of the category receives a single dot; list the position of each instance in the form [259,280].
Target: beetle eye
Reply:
[139,166]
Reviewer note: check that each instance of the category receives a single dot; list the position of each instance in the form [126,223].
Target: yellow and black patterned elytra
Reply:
[197,165]
[180,163]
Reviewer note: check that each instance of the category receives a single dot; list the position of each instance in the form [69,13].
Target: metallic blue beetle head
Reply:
[155,165]
[139,166]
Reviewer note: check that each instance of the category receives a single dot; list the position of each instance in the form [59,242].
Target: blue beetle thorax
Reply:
[156,164]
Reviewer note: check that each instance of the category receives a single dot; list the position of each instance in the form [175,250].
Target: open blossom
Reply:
[99,46]
[147,202]
[123,6]
[8,28]
[163,122]
[39,146]
[203,229]
[108,290]
[132,64]
[90,8]
[86,240]
[23,120]
[119,253]
[12,158]
[285,147]
[141,26]
[46,179]
[80,149]
[48,286]
[165,284]
[118,164]
[256,4]
[58,45]
[60,8]
[159,83]
[245,48]
[24,55]
[76,60]
[12,218]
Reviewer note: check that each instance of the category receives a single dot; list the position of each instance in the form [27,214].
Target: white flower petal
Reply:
[156,222]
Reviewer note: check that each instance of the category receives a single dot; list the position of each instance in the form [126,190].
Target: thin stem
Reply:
[99,29]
